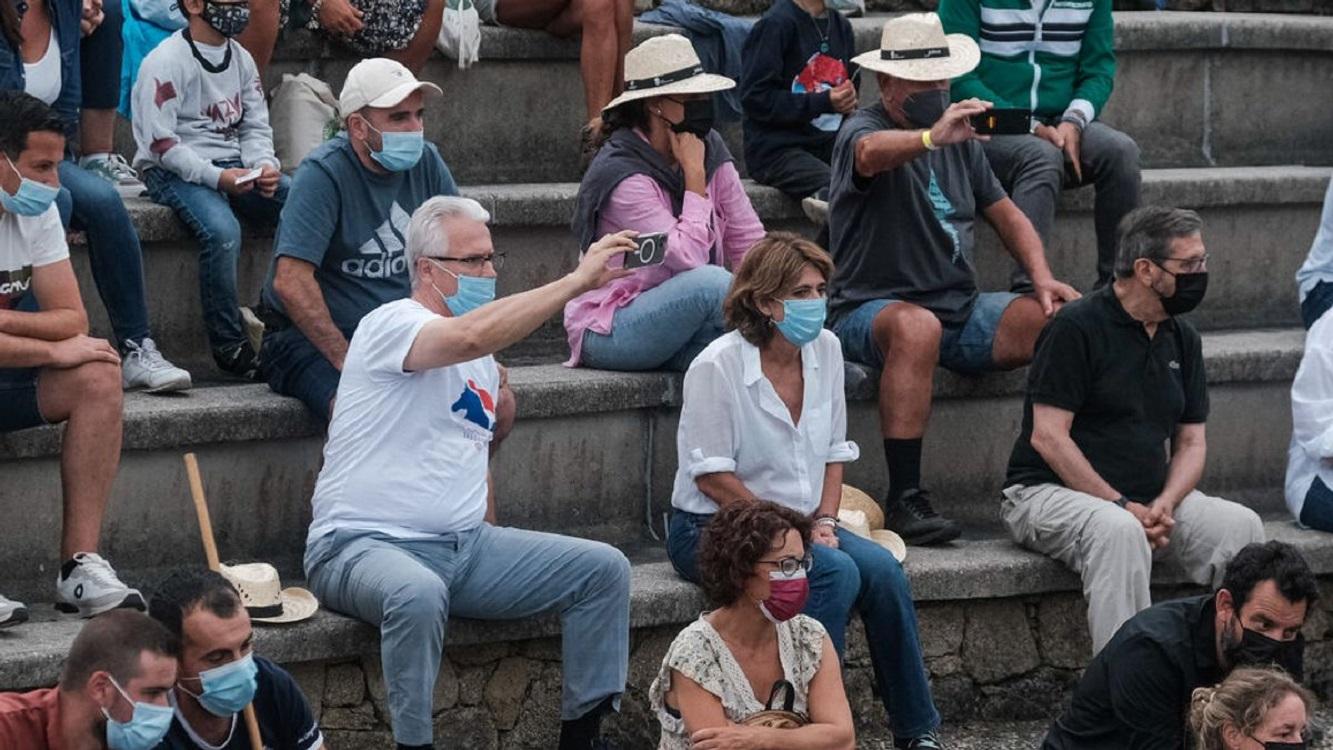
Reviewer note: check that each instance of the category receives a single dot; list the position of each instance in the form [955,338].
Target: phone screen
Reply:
[1003,122]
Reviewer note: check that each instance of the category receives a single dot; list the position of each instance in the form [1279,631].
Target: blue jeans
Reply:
[664,327]
[410,588]
[965,348]
[294,367]
[91,204]
[211,217]
[859,575]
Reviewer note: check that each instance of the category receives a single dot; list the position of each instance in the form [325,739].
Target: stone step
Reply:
[1187,89]
[1259,224]
[593,454]
[1002,631]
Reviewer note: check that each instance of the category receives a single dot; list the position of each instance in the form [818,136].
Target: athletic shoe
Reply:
[114,169]
[917,523]
[924,742]
[239,360]
[816,210]
[89,586]
[143,366]
[12,612]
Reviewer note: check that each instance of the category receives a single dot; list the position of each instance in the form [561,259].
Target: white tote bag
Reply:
[304,113]
[460,33]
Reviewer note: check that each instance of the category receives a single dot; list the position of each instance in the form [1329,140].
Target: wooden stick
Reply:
[211,553]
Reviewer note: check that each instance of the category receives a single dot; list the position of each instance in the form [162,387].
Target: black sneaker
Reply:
[239,360]
[924,742]
[917,523]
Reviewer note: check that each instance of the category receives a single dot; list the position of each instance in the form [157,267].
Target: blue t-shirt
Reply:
[352,225]
[285,721]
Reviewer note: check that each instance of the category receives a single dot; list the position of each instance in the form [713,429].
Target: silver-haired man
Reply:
[403,534]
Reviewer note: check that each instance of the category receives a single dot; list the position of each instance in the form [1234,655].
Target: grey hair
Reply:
[1148,232]
[426,235]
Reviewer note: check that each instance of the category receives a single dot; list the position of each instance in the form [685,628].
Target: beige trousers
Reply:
[1106,545]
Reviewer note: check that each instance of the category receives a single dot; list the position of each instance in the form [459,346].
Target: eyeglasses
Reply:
[1187,265]
[475,262]
[789,565]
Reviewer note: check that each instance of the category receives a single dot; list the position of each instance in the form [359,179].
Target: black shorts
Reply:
[18,399]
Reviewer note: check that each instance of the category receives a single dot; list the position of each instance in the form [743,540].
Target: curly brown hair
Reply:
[737,538]
[771,267]
[1242,700]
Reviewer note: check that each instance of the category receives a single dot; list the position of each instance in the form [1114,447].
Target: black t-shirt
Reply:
[1135,694]
[1128,393]
[906,233]
[285,721]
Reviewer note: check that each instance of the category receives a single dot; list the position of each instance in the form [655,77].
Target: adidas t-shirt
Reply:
[906,233]
[285,720]
[27,242]
[407,451]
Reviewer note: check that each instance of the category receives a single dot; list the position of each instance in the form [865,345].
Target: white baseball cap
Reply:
[379,82]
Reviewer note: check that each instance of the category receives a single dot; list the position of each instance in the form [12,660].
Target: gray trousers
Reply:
[1033,171]
[1107,546]
[410,588]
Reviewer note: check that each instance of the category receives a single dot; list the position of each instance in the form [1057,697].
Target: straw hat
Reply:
[666,65]
[914,47]
[263,595]
[862,516]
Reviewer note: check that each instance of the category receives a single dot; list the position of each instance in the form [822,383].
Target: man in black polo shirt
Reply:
[1136,692]
[1115,377]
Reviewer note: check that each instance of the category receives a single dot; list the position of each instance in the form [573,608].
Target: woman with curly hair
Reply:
[1252,709]
[764,415]
[755,647]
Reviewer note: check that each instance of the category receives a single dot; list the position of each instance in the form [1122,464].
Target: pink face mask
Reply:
[786,596]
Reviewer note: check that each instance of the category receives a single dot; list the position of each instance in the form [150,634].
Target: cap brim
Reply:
[704,83]
[297,605]
[394,96]
[964,56]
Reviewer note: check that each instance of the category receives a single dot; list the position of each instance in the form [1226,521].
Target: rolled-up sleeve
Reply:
[841,450]
[707,432]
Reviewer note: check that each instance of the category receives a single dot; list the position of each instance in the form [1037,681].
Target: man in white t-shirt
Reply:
[403,534]
[50,369]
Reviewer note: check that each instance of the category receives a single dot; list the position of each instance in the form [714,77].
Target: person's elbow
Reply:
[1047,439]
[862,158]
[842,737]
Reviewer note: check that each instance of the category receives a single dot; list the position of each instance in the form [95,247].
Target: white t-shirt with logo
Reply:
[27,242]
[407,451]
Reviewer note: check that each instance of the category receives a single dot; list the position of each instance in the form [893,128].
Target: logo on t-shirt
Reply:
[821,73]
[944,213]
[381,256]
[478,407]
[13,286]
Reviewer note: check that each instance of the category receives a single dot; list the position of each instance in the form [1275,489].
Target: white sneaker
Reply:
[89,586]
[143,366]
[815,210]
[12,612]
[114,169]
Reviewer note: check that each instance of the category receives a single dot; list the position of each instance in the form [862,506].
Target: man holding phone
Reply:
[1065,145]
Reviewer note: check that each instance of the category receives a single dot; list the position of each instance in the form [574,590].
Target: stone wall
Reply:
[999,659]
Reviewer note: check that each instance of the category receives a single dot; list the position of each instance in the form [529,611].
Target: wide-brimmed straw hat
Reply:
[264,597]
[666,65]
[861,515]
[914,47]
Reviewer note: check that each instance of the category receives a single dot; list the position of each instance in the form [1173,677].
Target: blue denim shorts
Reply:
[964,348]
[18,399]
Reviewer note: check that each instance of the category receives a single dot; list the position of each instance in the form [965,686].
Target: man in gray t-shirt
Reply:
[909,180]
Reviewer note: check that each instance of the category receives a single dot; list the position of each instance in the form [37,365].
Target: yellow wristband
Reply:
[925,140]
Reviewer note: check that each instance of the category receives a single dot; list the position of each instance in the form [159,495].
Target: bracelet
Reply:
[828,521]
[1122,501]
[925,141]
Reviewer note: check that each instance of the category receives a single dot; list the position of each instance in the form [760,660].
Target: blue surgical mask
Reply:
[473,292]
[146,727]
[399,150]
[229,688]
[802,319]
[33,197]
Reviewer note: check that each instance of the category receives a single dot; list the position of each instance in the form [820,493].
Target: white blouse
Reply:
[42,79]
[733,420]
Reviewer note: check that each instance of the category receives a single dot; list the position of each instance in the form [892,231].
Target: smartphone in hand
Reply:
[1003,122]
[651,250]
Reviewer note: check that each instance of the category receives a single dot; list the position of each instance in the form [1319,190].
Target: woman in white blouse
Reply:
[765,417]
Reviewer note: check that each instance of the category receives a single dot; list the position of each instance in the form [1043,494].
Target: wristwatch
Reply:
[1122,501]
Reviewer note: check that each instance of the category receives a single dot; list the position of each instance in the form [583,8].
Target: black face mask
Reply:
[1190,288]
[228,19]
[1258,650]
[698,118]
[925,108]
[1282,745]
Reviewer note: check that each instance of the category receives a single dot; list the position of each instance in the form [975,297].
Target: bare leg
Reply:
[89,399]
[599,22]
[909,337]
[418,51]
[625,37]
[1016,337]
[261,35]
[97,131]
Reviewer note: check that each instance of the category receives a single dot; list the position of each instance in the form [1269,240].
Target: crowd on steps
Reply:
[380,313]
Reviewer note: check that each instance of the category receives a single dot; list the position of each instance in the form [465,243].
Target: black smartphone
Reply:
[651,250]
[1003,122]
